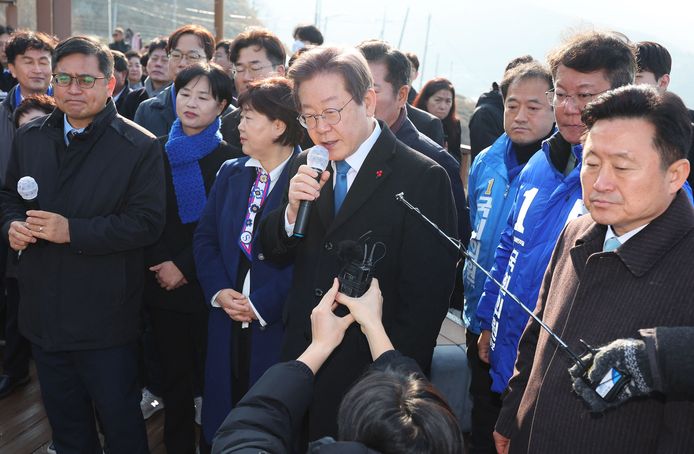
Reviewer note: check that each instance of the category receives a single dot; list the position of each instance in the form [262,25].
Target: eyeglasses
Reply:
[83,80]
[190,56]
[252,70]
[156,58]
[330,116]
[580,100]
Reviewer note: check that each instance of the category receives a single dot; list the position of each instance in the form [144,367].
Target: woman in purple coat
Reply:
[246,293]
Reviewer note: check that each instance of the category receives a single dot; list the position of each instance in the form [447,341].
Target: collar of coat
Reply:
[646,248]
[53,125]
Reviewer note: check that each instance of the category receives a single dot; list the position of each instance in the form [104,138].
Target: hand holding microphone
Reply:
[19,235]
[305,187]
[39,224]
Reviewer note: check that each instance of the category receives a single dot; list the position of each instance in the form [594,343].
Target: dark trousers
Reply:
[180,340]
[75,383]
[150,367]
[485,403]
[17,349]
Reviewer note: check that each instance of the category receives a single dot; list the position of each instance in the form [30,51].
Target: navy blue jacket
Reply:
[410,136]
[217,258]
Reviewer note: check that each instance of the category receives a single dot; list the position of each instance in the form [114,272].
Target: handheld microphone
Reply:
[317,159]
[28,190]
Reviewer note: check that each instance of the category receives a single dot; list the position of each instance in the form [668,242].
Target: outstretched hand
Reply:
[327,330]
[368,311]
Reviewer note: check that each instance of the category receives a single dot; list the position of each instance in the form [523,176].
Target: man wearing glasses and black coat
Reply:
[100,201]
[356,196]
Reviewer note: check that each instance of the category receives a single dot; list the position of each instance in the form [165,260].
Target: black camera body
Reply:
[358,265]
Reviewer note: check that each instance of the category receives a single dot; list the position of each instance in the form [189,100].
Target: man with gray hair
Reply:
[355,198]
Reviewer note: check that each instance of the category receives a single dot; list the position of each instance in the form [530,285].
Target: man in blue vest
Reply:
[492,188]
[549,193]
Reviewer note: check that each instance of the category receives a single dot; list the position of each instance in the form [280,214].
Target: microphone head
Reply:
[27,188]
[318,158]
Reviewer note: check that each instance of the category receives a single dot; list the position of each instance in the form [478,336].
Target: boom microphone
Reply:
[28,190]
[317,159]
[614,381]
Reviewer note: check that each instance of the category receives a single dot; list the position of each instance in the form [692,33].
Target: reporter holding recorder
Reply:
[391,409]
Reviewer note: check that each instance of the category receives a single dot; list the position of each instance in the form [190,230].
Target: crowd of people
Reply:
[175,241]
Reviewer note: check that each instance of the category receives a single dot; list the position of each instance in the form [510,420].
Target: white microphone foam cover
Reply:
[27,188]
[318,157]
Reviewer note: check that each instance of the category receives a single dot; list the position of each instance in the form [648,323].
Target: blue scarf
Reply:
[184,152]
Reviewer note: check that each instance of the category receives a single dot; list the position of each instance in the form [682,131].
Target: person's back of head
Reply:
[653,65]
[308,34]
[523,59]
[394,411]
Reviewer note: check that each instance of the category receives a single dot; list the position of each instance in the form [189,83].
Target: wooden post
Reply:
[44,16]
[219,19]
[11,15]
[62,18]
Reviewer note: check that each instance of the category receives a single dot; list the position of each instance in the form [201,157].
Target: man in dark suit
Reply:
[120,72]
[255,54]
[101,194]
[335,95]
[625,267]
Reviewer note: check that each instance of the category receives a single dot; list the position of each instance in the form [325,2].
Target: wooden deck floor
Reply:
[24,428]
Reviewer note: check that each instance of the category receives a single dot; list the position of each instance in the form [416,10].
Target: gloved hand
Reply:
[626,355]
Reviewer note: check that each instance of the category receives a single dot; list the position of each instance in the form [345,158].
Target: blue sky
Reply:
[471,42]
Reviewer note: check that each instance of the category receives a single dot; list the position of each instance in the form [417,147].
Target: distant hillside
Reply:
[464,107]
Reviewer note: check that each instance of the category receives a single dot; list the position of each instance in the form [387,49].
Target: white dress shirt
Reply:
[622,238]
[355,161]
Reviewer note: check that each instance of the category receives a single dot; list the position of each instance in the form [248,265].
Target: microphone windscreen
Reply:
[348,251]
[318,157]
[27,188]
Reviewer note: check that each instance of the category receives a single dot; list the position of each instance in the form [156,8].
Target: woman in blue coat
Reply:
[246,292]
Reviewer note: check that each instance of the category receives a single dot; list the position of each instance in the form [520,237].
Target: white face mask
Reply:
[297,45]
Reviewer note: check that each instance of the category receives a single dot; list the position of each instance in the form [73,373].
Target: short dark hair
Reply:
[308,33]
[653,57]
[157,43]
[345,62]
[597,51]
[272,97]
[298,53]
[43,103]
[6,29]
[397,64]
[225,43]
[262,38]
[219,80]
[414,60]
[666,112]
[132,54]
[86,46]
[518,61]
[532,70]
[120,63]
[394,411]
[205,37]
[24,40]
